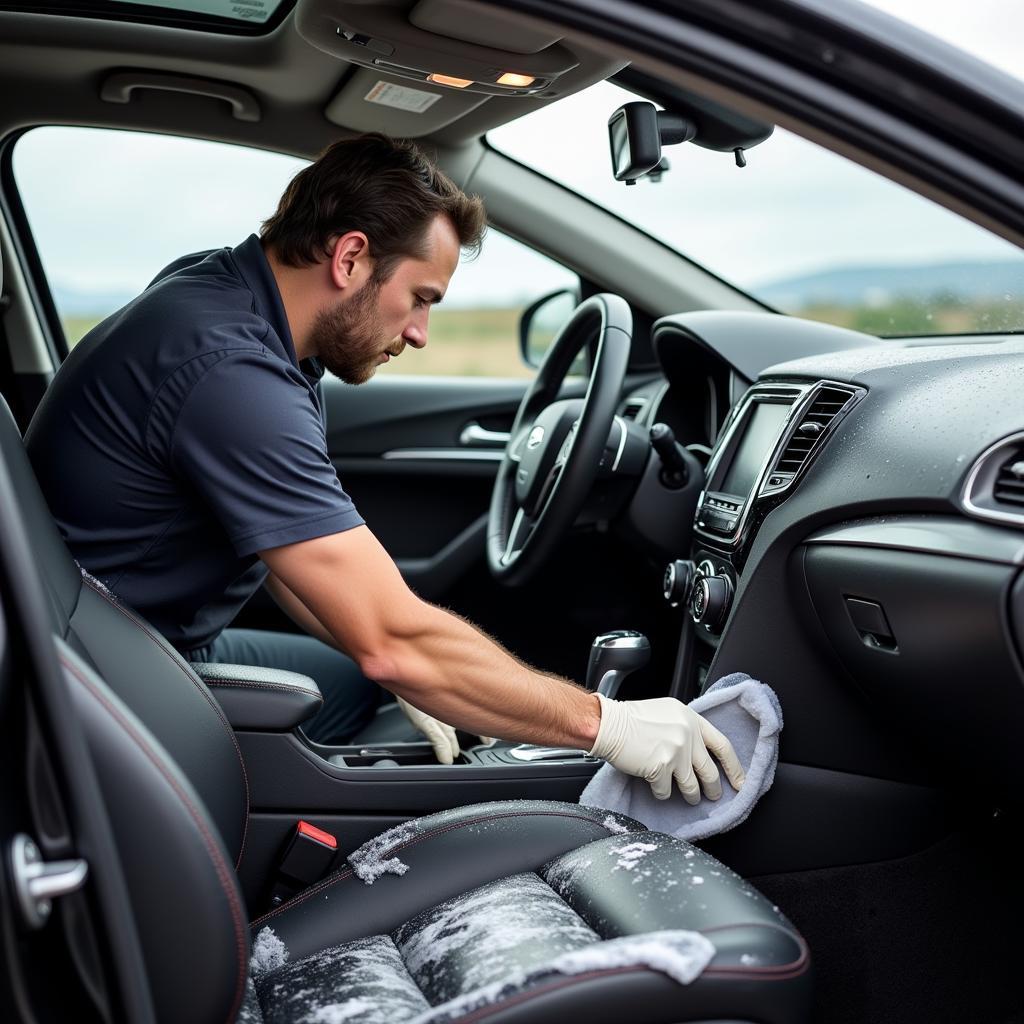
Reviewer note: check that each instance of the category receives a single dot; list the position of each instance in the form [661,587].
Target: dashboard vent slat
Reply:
[633,408]
[827,404]
[1009,485]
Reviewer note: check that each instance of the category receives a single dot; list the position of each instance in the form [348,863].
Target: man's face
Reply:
[374,324]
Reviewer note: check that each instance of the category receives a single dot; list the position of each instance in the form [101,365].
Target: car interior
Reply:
[670,478]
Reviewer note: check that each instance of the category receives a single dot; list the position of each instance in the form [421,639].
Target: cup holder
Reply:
[397,755]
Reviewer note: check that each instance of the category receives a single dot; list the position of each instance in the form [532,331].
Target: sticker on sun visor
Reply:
[239,10]
[401,97]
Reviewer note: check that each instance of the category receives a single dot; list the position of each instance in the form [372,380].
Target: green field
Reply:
[485,342]
[462,343]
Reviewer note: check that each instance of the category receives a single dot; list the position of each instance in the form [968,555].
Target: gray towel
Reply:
[748,712]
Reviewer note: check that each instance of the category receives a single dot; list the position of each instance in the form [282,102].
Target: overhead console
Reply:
[428,63]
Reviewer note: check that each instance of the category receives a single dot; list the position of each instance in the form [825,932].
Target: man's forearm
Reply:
[430,657]
[456,673]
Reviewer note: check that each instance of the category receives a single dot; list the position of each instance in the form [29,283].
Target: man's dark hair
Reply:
[383,187]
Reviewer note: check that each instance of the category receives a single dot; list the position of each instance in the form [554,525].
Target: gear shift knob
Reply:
[613,656]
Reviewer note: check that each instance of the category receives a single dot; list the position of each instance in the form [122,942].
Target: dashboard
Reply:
[859,534]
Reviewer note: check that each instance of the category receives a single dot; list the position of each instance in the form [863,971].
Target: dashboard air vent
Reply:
[995,483]
[827,404]
[1009,485]
[633,407]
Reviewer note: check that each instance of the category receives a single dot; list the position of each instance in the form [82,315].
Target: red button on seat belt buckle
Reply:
[305,829]
[308,856]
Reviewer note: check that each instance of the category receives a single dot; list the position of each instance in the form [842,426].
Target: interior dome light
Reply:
[517,81]
[457,83]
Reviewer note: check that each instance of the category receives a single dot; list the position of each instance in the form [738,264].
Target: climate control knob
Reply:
[710,600]
[677,581]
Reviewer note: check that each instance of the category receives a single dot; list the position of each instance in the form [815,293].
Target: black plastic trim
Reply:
[936,535]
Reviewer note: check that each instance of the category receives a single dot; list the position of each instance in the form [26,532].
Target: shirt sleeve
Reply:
[250,439]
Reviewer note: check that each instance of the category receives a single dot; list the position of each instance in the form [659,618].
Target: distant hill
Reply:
[839,286]
[879,284]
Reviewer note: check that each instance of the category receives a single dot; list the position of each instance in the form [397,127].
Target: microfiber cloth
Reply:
[749,713]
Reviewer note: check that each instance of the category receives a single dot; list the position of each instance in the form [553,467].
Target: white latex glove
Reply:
[662,739]
[442,737]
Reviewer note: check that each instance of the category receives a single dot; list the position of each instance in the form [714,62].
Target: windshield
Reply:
[799,228]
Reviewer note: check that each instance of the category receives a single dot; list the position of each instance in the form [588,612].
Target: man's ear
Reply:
[350,262]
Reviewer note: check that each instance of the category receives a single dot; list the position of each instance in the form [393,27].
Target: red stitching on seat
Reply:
[201,689]
[778,971]
[544,987]
[223,872]
[282,687]
[347,872]
[564,982]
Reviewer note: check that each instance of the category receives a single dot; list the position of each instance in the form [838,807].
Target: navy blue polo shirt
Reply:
[182,436]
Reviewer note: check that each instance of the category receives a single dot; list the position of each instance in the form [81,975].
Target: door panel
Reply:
[418,455]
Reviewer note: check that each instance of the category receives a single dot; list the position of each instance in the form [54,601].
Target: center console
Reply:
[768,442]
[288,771]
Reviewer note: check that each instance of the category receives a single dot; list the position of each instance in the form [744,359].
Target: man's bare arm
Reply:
[297,611]
[430,657]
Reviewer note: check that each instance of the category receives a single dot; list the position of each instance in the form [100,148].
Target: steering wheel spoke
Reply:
[517,445]
[565,451]
[518,535]
[557,444]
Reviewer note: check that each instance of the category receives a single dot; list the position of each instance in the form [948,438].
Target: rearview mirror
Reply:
[542,321]
[636,133]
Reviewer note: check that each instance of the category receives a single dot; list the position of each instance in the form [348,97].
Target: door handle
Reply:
[475,435]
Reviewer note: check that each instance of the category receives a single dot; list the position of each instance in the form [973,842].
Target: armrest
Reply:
[254,697]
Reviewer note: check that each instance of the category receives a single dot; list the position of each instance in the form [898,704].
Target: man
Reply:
[183,453]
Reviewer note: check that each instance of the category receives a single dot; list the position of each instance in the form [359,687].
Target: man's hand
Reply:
[662,739]
[442,737]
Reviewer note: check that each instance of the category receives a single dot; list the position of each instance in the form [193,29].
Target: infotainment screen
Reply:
[759,435]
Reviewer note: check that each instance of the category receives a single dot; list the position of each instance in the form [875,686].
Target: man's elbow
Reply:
[381,664]
[395,659]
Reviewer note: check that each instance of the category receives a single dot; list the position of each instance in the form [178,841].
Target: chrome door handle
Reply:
[473,434]
[38,883]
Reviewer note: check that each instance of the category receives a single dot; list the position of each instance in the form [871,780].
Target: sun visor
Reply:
[440,42]
[371,101]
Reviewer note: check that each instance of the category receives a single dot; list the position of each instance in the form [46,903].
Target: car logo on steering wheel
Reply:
[535,438]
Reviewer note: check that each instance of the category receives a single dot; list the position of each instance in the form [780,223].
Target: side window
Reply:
[109,209]
[474,332]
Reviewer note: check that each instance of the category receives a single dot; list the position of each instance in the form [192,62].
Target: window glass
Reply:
[803,229]
[247,17]
[109,209]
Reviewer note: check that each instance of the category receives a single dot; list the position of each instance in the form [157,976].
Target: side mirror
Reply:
[542,321]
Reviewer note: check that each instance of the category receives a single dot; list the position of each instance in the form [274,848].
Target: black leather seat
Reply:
[523,911]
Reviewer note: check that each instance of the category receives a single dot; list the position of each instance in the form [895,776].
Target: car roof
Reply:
[279,88]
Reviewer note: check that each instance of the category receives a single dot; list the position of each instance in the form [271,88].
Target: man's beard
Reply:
[347,338]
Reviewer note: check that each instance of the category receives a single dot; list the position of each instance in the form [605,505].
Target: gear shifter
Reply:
[613,656]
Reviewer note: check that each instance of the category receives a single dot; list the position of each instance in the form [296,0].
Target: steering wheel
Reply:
[555,446]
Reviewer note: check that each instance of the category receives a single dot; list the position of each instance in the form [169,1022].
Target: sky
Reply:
[137,202]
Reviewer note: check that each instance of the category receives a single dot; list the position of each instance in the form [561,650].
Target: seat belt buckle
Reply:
[308,856]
